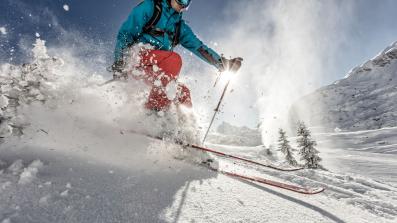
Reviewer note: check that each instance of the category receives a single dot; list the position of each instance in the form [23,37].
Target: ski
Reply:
[218,153]
[290,187]
[241,159]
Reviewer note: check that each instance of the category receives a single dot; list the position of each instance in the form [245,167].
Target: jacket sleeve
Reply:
[190,41]
[132,27]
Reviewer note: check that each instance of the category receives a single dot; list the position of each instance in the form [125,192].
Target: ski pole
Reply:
[220,100]
[217,79]
[107,82]
[216,111]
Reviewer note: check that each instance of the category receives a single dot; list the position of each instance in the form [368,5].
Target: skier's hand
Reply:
[118,69]
[231,64]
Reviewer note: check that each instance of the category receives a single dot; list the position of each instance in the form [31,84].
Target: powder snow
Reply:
[69,154]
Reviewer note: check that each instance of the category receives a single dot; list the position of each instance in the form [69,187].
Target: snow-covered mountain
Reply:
[365,99]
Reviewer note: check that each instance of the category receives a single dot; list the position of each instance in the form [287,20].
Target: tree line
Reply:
[307,151]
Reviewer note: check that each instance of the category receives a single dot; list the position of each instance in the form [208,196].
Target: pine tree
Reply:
[308,152]
[285,148]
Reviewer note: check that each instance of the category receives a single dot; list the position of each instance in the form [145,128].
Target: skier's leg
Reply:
[157,100]
[183,96]
[161,67]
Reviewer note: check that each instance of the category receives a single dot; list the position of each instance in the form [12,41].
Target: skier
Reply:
[159,23]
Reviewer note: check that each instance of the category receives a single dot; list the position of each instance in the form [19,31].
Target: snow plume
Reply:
[286,46]
[57,102]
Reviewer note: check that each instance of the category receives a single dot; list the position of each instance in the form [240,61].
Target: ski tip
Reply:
[315,190]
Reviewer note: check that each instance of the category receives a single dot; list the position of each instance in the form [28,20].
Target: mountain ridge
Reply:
[365,99]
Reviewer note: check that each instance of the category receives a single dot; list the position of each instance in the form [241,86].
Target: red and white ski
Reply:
[241,159]
[290,187]
[218,153]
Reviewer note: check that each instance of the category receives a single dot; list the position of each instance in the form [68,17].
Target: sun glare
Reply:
[226,76]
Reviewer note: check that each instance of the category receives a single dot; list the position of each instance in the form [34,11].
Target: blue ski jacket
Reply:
[131,32]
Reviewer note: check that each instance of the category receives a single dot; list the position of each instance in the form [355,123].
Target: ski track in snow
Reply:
[379,198]
[67,156]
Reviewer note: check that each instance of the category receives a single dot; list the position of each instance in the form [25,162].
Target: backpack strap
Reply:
[177,34]
[149,28]
[157,10]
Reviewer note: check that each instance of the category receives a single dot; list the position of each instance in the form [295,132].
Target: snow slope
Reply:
[68,155]
[234,135]
[365,99]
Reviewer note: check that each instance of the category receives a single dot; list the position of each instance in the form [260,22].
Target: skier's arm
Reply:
[132,27]
[190,41]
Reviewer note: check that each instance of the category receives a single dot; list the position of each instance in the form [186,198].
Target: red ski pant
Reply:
[160,68]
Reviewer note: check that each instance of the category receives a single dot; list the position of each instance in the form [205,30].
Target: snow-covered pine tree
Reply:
[285,148]
[308,152]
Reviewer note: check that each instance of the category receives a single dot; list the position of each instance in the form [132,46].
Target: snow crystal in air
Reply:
[3,30]
[155,68]
[44,200]
[16,167]
[48,183]
[29,173]
[7,220]
[65,193]
[6,185]
[3,103]
[66,7]
[40,50]
[37,35]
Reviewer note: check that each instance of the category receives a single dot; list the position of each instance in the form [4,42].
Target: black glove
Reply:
[118,69]
[231,64]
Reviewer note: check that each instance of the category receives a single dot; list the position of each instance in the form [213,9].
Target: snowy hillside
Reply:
[365,99]
[68,154]
[232,135]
